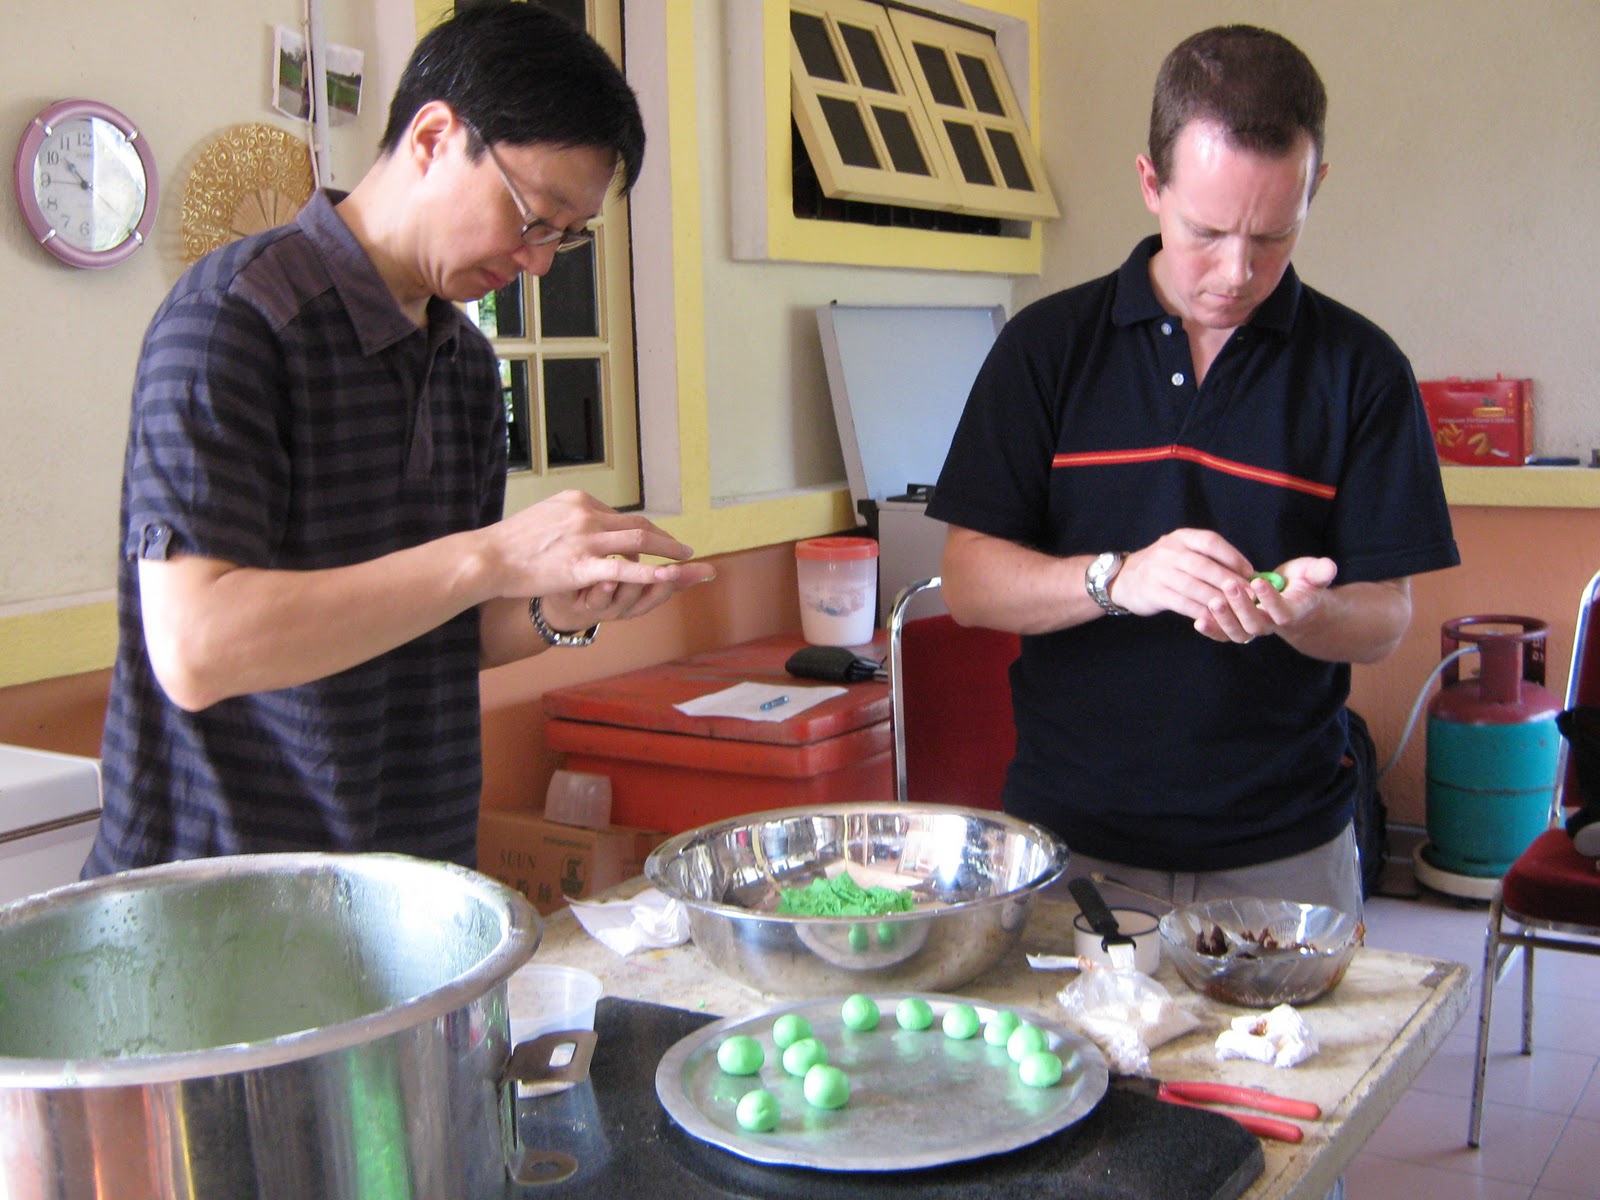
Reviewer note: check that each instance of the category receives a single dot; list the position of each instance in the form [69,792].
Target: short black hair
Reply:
[1257,84]
[520,74]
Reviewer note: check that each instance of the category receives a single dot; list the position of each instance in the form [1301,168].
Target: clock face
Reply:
[89,183]
[86,183]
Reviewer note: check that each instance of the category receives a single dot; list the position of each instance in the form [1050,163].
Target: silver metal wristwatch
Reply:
[1097,579]
[553,636]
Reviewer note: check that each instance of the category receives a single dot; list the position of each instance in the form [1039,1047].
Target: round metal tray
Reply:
[916,1099]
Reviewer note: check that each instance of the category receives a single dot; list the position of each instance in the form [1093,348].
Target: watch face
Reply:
[89,183]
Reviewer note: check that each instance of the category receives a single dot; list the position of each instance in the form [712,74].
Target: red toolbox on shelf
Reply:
[672,771]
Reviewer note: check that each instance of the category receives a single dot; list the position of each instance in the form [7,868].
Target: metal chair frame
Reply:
[897,695]
[1533,933]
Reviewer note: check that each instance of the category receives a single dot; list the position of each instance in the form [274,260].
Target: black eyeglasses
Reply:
[536,231]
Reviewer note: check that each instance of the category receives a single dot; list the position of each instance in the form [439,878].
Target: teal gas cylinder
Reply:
[1492,748]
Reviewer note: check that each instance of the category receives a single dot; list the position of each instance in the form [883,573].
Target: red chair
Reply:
[951,699]
[1551,893]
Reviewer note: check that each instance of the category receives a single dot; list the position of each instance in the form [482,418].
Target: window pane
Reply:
[568,296]
[816,51]
[901,139]
[867,56]
[572,10]
[936,69]
[1009,156]
[572,414]
[849,132]
[980,85]
[514,387]
[969,154]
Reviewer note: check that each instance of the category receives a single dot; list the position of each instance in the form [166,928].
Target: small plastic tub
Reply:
[838,581]
[547,998]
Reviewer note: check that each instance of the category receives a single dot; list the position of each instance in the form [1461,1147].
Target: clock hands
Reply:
[82,182]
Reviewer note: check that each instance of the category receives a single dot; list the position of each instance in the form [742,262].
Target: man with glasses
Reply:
[315,562]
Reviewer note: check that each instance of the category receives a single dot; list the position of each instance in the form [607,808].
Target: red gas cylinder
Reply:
[1492,747]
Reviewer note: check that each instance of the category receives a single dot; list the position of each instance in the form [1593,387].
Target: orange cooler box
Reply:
[673,772]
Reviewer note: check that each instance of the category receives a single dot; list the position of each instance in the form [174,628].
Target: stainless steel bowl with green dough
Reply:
[971,876]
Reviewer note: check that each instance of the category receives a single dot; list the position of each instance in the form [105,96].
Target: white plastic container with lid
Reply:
[838,580]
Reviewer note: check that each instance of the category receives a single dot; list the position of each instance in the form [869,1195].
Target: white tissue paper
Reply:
[1126,1014]
[649,921]
[1280,1037]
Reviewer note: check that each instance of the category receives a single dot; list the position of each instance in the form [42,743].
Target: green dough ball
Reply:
[1277,581]
[886,934]
[960,1022]
[1025,1040]
[1000,1027]
[826,1087]
[859,938]
[789,1029]
[1041,1069]
[859,1013]
[914,1013]
[741,1055]
[758,1111]
[803,1055]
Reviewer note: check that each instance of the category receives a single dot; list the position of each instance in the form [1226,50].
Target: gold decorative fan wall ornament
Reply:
[250,178]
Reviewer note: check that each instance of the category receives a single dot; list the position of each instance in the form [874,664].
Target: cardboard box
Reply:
[1481,422]
[549,862]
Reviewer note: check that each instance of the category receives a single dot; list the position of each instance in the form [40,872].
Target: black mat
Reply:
[1131,1147]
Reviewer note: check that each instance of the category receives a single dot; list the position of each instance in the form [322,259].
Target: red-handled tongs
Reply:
[1196,1094]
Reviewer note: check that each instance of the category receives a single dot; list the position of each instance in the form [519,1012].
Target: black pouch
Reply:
[836,664]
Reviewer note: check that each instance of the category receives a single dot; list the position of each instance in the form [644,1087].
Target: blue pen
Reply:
[774,702]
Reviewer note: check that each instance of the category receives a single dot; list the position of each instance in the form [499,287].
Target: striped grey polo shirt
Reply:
[288,415]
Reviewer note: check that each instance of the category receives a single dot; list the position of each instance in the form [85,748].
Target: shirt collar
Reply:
[378,319]
[1136,299]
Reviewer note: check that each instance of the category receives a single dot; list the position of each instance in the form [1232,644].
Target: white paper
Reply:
[758,701]
[1281,1038]
[649,921]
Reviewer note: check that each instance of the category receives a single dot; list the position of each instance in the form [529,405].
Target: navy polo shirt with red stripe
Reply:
[288,415]
[1138,740]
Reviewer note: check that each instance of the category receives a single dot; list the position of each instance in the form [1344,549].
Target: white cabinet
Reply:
[49,812]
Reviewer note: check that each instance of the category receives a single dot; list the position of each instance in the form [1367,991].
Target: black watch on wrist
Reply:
[1097,579]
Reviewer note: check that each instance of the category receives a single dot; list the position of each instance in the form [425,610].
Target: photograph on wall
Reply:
[291,92]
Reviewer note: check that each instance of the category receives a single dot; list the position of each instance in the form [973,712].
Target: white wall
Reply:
[182,72]
[1459,208]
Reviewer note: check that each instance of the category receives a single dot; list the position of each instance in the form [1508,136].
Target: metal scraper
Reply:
[1117,945]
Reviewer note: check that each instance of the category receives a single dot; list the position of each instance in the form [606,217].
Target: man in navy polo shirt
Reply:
[315,560]
[1136,449]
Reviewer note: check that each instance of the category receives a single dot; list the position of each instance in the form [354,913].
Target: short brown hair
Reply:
[1258,85]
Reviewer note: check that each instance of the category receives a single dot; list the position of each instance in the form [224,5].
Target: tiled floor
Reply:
[1541,1134]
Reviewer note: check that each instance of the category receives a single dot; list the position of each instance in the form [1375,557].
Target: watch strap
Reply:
[553,636]
[1098,583]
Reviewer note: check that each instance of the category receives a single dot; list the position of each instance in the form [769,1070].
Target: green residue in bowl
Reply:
[842,896]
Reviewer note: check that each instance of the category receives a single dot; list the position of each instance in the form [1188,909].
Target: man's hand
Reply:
[1249,607]
[572,542]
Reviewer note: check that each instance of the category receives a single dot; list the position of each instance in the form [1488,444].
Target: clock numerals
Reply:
[86,183]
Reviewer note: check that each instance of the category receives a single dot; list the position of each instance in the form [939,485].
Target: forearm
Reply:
[214,629]
[991,582]
[1354,622]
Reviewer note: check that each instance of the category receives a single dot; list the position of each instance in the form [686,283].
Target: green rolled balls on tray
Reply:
[1026,1040]
[758,1111]
[741,1055]
[1000,1027]
[789,1029]
[1041,1069]
[914,1013]
[826,1087]
[803,1055]
[960,1022]
[859,1013]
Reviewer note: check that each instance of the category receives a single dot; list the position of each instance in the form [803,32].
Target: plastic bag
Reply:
[1126,1014]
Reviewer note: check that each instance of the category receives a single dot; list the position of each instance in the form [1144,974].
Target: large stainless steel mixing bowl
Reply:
[288,1025]
[974,874]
